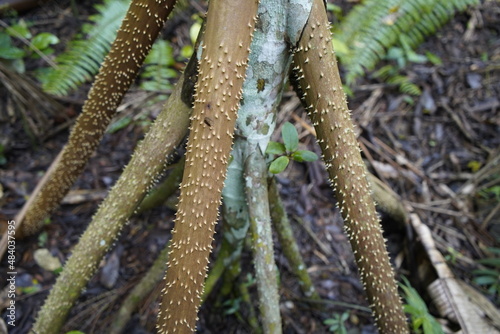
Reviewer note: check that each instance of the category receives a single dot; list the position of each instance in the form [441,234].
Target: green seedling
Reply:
[288,150]
[452,255]
[36,46]
[421,320]
[337,323]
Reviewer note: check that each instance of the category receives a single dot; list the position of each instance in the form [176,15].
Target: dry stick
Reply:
[144,168]
[322,93]
[228,34]
[138,31]
[288,242]
[262,241]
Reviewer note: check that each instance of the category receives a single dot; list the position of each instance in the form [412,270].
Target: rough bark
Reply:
[322,94]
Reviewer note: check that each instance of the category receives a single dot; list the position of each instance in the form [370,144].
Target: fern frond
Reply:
[385,72]
[83,57]
[157,72]
[374,26]
[405,85]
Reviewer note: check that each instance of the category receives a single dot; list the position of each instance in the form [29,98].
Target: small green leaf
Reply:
[334,8]
[11,52]
[416,58]
[161,53]
[20,30]
[18,65]
[275,148]
[290,137]
[304,155]
[493,249]
[5,40]
[474,165]
[120,124]
[397,54]
[489,272]
[43,40]
[485,280]
[279,165]
[434,59]
[495,262]
[341,48]
[187,51]
[194,31]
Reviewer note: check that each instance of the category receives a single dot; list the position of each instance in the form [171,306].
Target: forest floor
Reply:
[439,152]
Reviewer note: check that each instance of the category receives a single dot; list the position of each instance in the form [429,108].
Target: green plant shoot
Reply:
[288,150]
[422,321]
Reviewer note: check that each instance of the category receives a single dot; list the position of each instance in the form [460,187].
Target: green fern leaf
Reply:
[375,26]
[405,85]
[84,56]
[157,74]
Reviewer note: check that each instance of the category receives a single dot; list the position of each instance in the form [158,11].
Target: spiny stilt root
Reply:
[139,29]
[229,29]
[321,91]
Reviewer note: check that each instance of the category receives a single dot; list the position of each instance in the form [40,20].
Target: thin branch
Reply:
[288,242]
[262,239]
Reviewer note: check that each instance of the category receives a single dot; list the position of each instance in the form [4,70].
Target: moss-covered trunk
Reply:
[322,93]
[229,28]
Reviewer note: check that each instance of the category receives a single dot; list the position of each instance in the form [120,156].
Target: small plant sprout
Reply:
[288,150]
[36,46]
[421,320]
[452,255]
[337,323]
